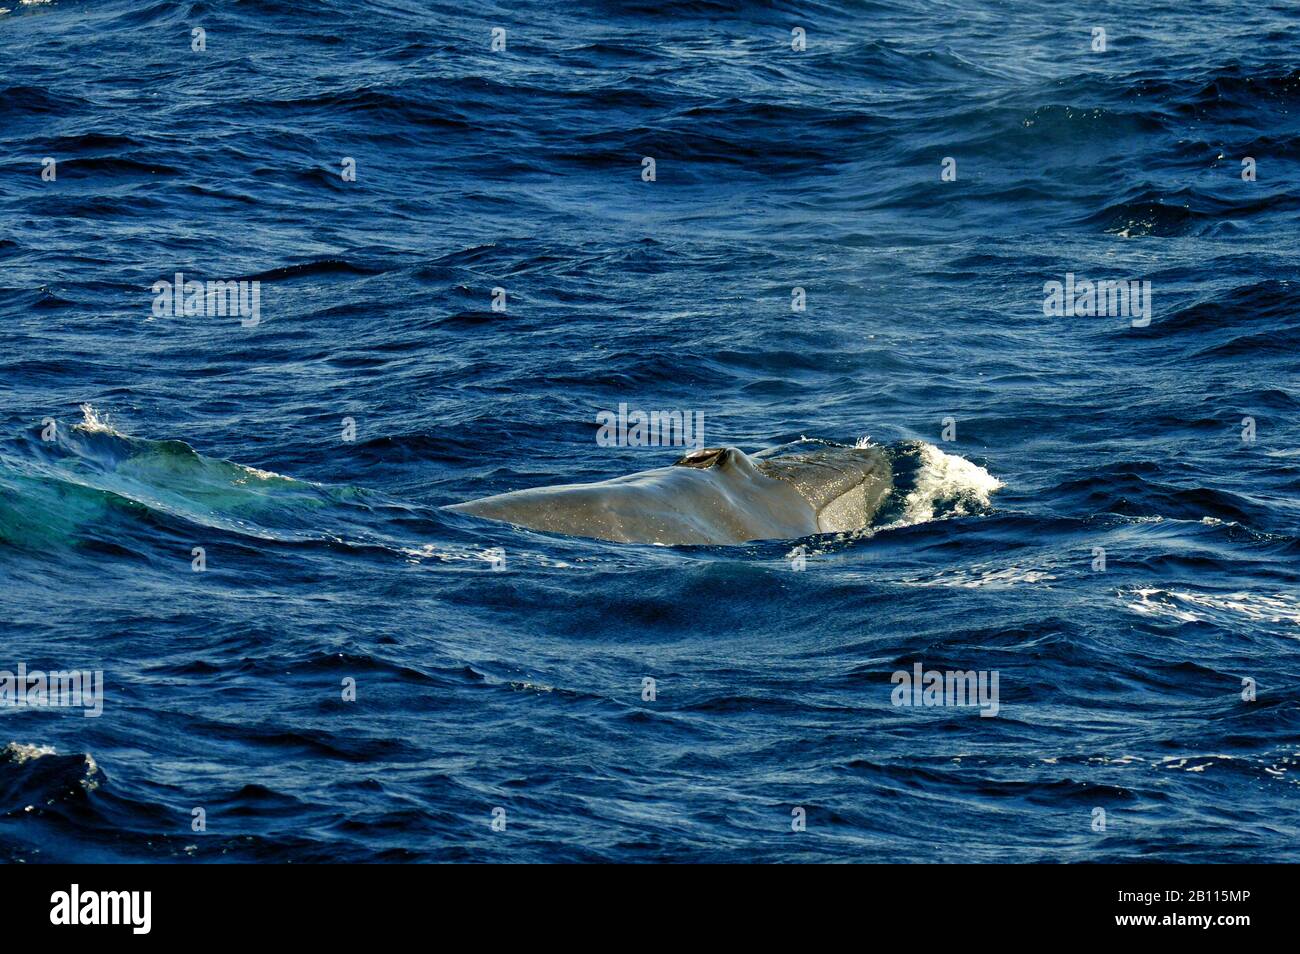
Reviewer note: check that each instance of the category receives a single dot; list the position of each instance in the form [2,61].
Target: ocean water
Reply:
[1103,511]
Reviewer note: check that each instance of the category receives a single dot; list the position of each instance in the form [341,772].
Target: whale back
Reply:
[710,496]
[845,486]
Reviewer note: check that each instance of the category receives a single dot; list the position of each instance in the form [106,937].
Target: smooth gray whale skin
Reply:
[710,496]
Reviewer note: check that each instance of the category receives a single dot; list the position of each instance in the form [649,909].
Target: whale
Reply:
[714,495]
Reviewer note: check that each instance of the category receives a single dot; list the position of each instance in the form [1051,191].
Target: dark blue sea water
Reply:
[522,688]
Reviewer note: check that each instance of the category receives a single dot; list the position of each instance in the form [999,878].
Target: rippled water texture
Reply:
[1103,513]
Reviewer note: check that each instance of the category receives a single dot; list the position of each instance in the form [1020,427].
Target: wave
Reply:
[1228,609]
[99,167]
[35,775]
[322,266]
[1256,319]
[18,100]
[75,481]
[1150,211]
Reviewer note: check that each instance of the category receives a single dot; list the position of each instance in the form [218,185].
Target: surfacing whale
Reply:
[717,495]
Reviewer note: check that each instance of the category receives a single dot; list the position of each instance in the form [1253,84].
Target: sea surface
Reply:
[305,659]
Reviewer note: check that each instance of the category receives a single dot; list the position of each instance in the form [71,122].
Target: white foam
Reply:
[261,475]
[981,575]
[1188,607]
[20,752]
[93,422]
[474,556]
[91,781]
[1184,762]
[960,486]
